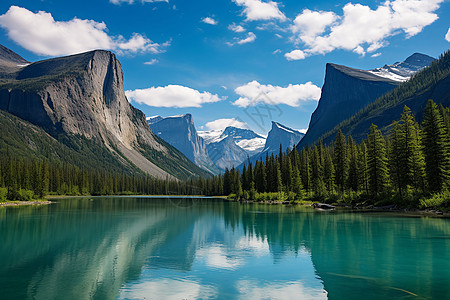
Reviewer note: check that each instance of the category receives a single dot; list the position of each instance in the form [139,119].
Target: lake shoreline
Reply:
[22,203]
[407,212]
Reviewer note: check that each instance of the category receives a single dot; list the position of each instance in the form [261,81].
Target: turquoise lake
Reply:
[200,248]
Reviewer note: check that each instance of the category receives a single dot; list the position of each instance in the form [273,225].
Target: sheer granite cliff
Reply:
[347,90]
[179,131]
[83,96]
[344,92]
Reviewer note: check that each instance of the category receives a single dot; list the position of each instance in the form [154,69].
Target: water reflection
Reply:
[136,248]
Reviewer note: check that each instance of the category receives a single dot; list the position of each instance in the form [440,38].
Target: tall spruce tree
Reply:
[435,148]
[340,161]
[377,162]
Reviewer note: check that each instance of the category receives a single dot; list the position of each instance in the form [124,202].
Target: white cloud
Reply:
[359,50]
[236,28]
[172,96]
[221,124]
[251,37]
[210,21]
[151,62]
[41,34]
[252,289]
[447,36]
[167,288]
[258,10]
[360,28]
[376,54]
[118,2]
[276,51]
[295,55]
[309,24]
[253,93]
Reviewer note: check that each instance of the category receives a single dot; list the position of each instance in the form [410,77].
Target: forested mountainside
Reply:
[79,101]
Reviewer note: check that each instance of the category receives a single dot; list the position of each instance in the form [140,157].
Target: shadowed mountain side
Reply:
[430,83]
[180,132]
[347,90]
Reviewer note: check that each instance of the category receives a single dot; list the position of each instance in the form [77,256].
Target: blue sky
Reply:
[228,59]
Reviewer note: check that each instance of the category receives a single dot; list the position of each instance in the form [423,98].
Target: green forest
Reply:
[409,166]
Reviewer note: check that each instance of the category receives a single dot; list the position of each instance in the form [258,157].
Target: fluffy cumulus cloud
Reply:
[251,37]
[151,62]
[117,2]
[210,21]
[221,124]
[295,55]
[236,28]
[41,34]
[447,36]
[171,96]
[360,28]
[255,10]
[253,93]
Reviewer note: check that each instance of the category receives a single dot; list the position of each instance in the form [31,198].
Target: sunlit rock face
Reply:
[81,95]
[180,132]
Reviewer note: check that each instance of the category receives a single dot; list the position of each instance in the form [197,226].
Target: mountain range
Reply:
[347,90]
[179,131]
[73,109]
[80,104]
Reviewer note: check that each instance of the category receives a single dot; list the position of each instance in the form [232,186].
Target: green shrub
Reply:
[436,201]
[3,193]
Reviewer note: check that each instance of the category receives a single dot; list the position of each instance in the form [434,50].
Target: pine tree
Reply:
[353,166]
[305,169]
[376,161]
[317,162]
[435,148]
[341,160]
[363,167]
[329,173]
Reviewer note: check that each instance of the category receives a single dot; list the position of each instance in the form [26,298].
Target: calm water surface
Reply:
[154,248]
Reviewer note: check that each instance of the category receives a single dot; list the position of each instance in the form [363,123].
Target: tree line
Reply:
[408,163]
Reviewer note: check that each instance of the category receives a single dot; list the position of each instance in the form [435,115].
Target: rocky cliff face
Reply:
[278,135]
[180,132]
[83,95]
[347,90]
[226,154]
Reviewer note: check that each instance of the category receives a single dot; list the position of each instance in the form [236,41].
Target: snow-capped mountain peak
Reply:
[401,71]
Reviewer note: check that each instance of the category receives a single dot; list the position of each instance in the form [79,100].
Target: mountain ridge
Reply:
[83,95]
[347,90]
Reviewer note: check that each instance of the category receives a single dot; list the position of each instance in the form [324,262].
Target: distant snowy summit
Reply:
[402,71]
[347,90]
[246,139]
[179,131]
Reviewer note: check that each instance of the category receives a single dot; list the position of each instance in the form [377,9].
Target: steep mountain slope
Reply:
[430,83]
[83,96]
[230,147]
[278,135]
[247,139]
[347,90]
[180,132]
[226,154]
